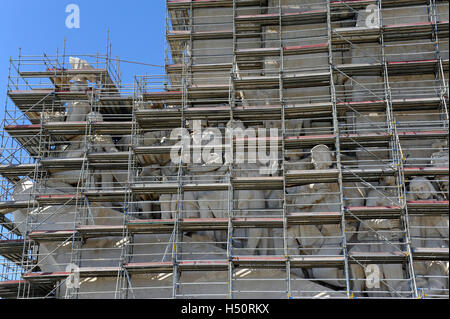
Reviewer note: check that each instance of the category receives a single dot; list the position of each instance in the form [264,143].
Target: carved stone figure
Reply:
[380,236]
[325,239]
[433,229]
[249,202]
[432,232]
[77,110]
[155,138]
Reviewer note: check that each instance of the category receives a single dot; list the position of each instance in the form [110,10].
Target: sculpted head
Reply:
[321,157]
[421,188]
[388,180]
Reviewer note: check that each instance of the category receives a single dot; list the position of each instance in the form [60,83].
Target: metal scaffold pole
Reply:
[283,155]
[230,151]
[398,159]
[337,133]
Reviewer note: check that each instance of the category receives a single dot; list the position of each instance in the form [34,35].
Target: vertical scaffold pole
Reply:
[398,158]
[283,164]
[336,130]
[440,74]
[230,150]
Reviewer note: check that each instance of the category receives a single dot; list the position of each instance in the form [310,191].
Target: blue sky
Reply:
[39,26]
[136,32]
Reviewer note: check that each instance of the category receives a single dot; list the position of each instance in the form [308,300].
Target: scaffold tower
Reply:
[158,188]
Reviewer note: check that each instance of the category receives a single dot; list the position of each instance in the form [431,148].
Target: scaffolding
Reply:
[353,96]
